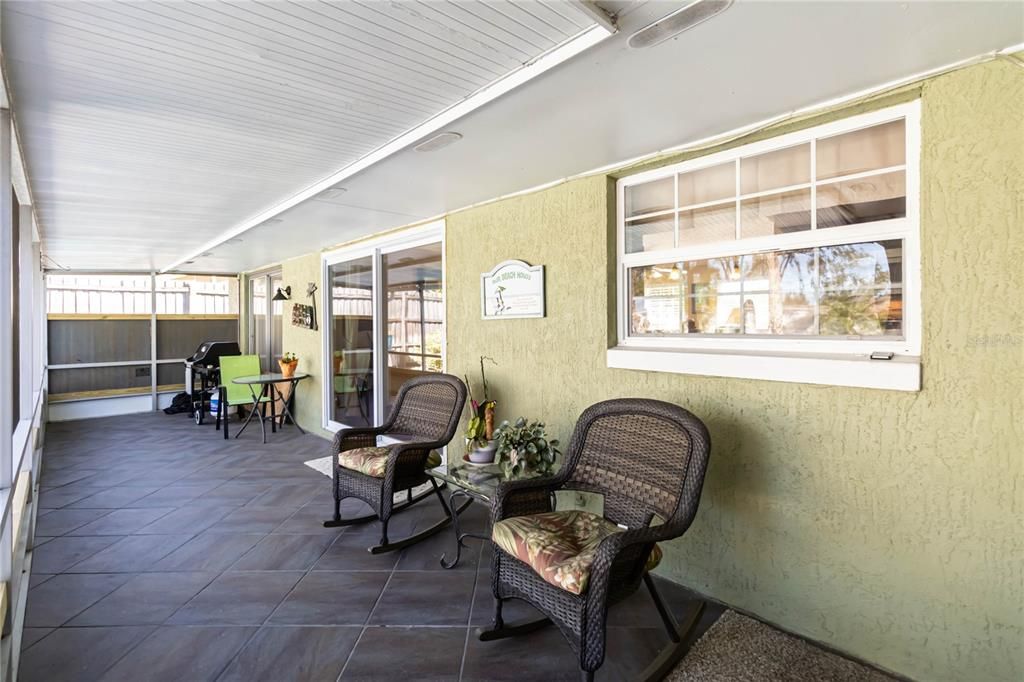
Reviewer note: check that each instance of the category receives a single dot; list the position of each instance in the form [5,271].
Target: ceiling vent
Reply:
[438,141]
[677,22]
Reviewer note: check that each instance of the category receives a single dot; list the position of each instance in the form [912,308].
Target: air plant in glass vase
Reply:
[524,448]
[480,445]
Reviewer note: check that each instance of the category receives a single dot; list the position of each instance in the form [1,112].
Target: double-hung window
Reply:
[791,259]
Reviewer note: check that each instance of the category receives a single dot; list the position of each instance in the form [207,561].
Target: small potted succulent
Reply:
[480,444]
[288,363]
[524,448]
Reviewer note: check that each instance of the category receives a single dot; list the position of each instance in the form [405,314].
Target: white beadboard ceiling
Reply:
[152,129]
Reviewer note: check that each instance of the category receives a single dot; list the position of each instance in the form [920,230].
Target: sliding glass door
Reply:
[385,306]
[265,319]
[352,342]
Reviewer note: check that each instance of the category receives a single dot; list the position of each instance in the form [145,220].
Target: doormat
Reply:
[740,649]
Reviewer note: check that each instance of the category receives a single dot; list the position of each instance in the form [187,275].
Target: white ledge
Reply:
[902,373]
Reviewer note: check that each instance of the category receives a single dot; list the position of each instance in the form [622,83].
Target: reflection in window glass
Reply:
[881,146]
[258,314]
[415,314]
[650,234]
[709,224]
[776,214]
[876,197]
[707,184]
[351,321]
[835,291]
[650,197]
[771,170]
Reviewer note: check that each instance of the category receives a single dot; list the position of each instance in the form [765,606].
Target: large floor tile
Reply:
[425,598]
[208,552]
[180,654]
[64,596]
[331,598]
[118,496]
[130,554]
[77,654]
[146,599]
[122,521]
[285,552]
[238,598]
[349,553]
[189,519]
[296,654]
[60,554]
[61,521]
[398,653]
[252,520]
[541,655]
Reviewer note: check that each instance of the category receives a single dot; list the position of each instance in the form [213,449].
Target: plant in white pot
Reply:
[480,444]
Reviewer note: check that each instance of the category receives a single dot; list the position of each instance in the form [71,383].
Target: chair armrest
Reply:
[361,437]
[612,547]
[519,498]
[407,459]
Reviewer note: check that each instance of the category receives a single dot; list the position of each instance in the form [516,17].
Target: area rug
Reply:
[323,465]
[740,649]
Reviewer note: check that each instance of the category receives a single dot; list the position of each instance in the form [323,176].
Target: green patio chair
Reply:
[234,395]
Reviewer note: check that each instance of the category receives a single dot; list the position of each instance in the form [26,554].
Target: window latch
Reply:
[882,355]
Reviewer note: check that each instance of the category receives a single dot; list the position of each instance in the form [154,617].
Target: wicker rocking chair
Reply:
[647,458]
[423,420]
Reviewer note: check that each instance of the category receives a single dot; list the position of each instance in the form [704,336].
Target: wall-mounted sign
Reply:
[512,289]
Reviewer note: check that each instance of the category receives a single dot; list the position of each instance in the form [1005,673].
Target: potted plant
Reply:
[480,445]
[524,448]
[288,363]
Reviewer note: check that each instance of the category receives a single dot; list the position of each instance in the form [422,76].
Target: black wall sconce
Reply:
[283,294]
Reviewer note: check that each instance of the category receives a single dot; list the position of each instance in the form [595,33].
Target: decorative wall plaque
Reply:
[512,289]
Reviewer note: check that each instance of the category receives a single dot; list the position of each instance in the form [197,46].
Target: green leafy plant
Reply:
[480,428]
[289,358]
[524,448]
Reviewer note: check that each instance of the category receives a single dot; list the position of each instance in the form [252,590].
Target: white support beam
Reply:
[598,14]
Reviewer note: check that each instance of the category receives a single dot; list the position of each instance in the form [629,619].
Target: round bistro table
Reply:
[268,388]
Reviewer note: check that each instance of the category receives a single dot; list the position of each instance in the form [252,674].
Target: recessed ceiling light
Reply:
[438,141]
[331,193]
[675,23]
[189,262]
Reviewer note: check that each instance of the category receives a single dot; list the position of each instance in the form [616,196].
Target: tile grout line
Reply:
[369,616]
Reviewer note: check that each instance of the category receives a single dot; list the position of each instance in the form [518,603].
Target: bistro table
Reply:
[473,482]
[268,388]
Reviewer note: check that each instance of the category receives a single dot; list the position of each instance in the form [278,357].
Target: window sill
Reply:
[902,373]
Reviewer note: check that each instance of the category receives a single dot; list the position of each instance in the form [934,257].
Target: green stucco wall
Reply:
[886,524]
[305,343]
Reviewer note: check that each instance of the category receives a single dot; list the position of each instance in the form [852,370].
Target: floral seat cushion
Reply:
[374,461]
[560,546]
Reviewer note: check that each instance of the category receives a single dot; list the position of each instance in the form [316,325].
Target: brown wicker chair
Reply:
[647,459]
[424,419]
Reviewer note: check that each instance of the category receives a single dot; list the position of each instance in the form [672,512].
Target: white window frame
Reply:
[831,361]
[430,233]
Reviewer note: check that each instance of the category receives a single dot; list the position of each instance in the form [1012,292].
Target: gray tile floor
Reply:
[164,552]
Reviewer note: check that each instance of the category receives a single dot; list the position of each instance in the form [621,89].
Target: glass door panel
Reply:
[352,342]
[414,315]
[276,321]
[258,305]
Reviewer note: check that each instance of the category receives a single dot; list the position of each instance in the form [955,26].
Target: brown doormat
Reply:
[741,649]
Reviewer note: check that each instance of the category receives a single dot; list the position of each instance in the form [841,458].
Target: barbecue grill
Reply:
[205,365]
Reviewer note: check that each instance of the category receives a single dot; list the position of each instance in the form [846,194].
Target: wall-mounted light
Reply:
[283,294]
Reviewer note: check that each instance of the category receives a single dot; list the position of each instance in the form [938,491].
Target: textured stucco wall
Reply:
[886,524]
[305,343]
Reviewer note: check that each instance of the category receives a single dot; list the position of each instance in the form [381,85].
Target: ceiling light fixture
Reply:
[331,193]
[675,23]
[439,141]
